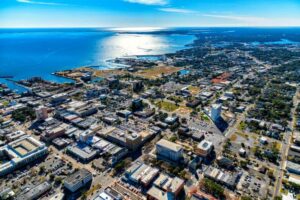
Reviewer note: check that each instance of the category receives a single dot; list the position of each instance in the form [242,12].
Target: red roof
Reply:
[222,78]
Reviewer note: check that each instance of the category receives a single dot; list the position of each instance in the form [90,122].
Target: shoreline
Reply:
[110,62]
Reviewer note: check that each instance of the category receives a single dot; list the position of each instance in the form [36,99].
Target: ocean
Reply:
[26,53]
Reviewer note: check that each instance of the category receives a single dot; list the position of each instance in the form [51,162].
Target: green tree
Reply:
[23,114]
[246,198]
[213,188]
[278,198]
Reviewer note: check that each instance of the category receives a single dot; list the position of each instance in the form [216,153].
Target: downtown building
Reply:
[77,180]
[20,153]
[169,150]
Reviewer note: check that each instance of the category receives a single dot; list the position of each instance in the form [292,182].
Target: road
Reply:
[287,140]
[285,147]
[75,163]
[61,154]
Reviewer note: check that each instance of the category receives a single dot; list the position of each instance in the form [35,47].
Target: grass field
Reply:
[242,134]
[184,110]
[157,72]
[167,106]
[194,90]
[149,73]
[277,145]
[242,126]
[109,72]
[233,137]
[204,117]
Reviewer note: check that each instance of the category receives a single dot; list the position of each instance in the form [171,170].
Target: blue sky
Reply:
[148,13]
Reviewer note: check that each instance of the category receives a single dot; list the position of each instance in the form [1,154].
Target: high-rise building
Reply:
[41,113]
[169,150]
[137,104]
[204,148]
[215,112]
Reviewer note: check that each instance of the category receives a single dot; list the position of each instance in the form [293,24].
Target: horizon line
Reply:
[149,27]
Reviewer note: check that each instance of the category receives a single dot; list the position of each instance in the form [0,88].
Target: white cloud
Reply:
[247,19]
[176,10]
[149,2]
[40,2]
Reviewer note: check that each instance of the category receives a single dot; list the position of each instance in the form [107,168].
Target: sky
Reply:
[148,13]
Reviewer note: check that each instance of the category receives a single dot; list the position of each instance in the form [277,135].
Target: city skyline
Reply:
[148,13]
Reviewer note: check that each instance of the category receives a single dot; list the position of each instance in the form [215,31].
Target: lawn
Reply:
[184,110]
[194,90]
[242,134]
[176,98]
[254,137]
[204,117]
[277,145]
[242,126]
[93,189]
[108,72]
[233,138]
[167,106]
[285,192]
[157,72]
[5,103]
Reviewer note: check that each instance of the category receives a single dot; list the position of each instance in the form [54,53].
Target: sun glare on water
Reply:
[120,45]
[137,29]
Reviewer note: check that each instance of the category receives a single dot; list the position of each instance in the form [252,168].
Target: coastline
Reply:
[174,45]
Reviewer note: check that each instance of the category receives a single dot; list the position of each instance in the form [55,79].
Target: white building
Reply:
[204,148]
[242,152]
[86,136]
[78,180]
[263,140]
[15,135]
[215,112]
[229,94]
[20,152]
[169,150]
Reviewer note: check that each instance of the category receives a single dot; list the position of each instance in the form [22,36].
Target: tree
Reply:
[23,114]
[243,145]
[58,180]
[42,169]
[246,198]
[173,138]
[271,174]
[120,166]
[51,177]
[84,196]
[213,188]
[183,120]
[243,164]
[278,198]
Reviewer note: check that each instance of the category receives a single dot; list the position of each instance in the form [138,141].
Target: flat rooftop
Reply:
[205,145]
[168,183]
[78,176]
[142,172]
[157,193]
[24,146]
[20,152]
[169,145]
[85,152]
